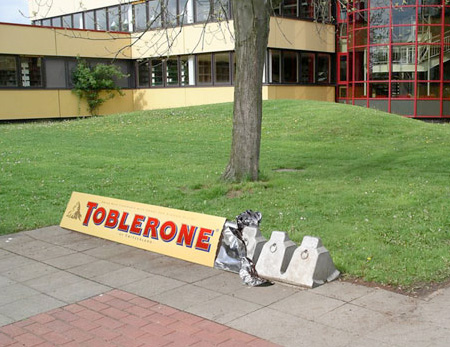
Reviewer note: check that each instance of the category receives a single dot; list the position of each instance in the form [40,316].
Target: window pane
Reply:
[323,68]
[67,21]
[202,8]
[89,20]
[306,67]
[55,73]
[77,22]
[143,73]
[290,67]
[403,34]
[101,19]
[157,72]
[221,11]
[428,62]
[57,22]
[172,72]
[204,68]
[403,15]
[140,16]
[275,66]
[379,90]
[187,71]
[343,68]
[170,13]
[183,11]
[222,67]
[379,17]
[290,8]
[154,12]
[402,89]
[428,90]
[8,72]
[31,71]
[47,22]
[124,22]
[113,18]
[430,15]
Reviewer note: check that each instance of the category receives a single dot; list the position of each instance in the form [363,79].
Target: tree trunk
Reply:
[251,28]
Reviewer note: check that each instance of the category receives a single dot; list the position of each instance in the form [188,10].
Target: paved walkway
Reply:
[59,287]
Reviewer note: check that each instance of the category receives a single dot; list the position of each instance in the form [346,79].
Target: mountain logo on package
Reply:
[75,212]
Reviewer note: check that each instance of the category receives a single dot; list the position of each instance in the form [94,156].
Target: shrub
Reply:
[96,84]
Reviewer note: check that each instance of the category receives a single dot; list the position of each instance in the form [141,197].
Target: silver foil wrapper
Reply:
[232,254]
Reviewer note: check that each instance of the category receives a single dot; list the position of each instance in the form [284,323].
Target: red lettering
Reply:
[112,219]
[91,207]
[99,216]
[123,220]
[203,239]
[152,224]
[186,235]
[167,237]
[136,225]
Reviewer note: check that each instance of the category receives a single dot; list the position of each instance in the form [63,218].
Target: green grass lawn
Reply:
[374,187]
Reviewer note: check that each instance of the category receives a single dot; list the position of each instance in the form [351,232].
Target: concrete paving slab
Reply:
[411,334]
[387,302]
[47,233]
[224,282]
[354,319]
[96,268]
[52,281]
[13,261]
[5,281]
[29,306]
[343,291]
[223,309]
[5,320]
[29,271]
[287,330]
[108,251]
[192,273]
[151,286]
[86,242]
[14,292]
[4,253]
[136,258]
[167,266]
[121,277]
[307,305]
[265,295]
[185,296]
[46,252]
[70,260]
[80,290]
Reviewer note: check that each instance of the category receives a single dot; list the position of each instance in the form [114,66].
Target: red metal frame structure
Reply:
[395,56]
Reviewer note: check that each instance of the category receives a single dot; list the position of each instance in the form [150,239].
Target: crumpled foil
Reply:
[232,254]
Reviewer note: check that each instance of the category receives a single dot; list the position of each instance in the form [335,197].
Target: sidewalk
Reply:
[59,287]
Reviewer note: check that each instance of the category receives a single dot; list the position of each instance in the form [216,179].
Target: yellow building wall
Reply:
[150,99]
[301,35]
[321,93]
[35,104]
[31,40]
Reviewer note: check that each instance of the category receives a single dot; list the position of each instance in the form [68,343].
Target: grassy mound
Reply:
[374,187]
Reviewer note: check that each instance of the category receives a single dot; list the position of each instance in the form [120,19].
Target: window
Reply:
[56,22]
[77,21]
[275,66]
[170,13]
[290,67]
[202,10]
[187,70]
[140,16]
[124,21]
[113,18]
[31,71]
[89,20]
[143,73]
[184,12]
[307,67]
[323,68]
[156,71]
[222,67]
[8,71]
[47,22]
[172,72]
[100,17]
[290,8]
[67,21]
[204,69]
[154,12]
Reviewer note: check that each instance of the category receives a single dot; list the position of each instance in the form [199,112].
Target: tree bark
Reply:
[251,28]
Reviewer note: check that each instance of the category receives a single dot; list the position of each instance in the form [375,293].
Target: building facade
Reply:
[371,53]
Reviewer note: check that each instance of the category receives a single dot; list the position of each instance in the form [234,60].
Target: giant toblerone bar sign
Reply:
[185,235]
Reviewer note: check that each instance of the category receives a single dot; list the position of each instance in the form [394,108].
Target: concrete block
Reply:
[254,242]
[311,264]
[275,256]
